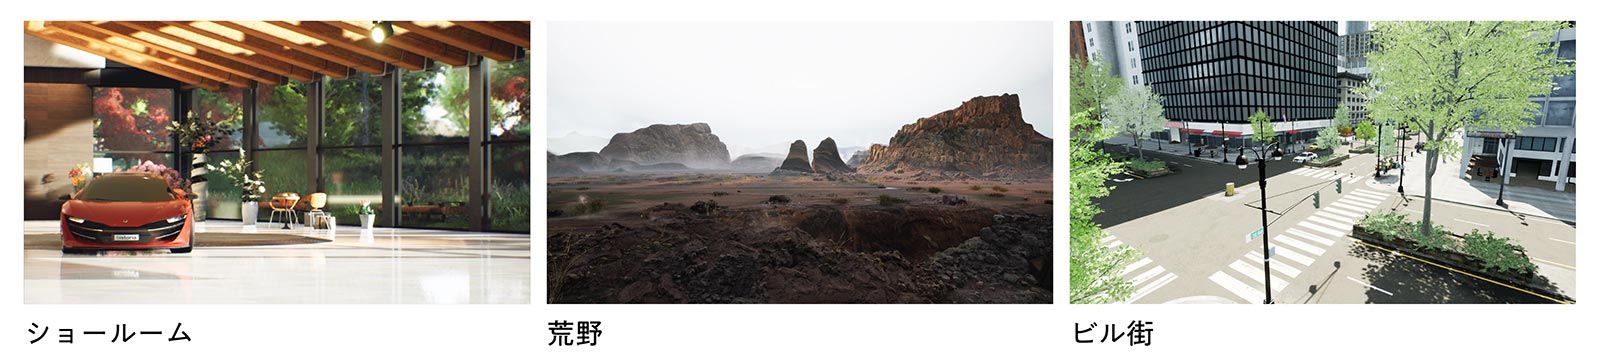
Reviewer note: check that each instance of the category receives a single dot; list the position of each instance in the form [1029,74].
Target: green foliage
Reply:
[1328,138]
[1261,124]
[587,205]
[1366,131]
[1091,84]
[1135,112]
[1341,117]
[1326,158]
[1096,270]
[935,190]
[886,200]
[1145,167]
[1499,254]
[248,183]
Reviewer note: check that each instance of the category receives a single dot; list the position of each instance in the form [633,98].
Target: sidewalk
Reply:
[1449,187]
[1115,144]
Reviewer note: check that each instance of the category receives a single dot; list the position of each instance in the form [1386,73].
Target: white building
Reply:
[1543,152]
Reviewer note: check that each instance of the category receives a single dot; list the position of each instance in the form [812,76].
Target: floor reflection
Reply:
[346,265]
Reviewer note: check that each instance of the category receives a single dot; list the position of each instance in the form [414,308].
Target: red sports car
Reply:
[127,211]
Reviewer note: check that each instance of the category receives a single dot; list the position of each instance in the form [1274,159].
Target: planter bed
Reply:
[1450,250]
[1334,161]
[1363,150]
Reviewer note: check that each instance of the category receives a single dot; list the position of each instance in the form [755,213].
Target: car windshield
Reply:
[126,188]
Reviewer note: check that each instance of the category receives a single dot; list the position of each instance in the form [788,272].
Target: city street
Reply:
[1194,244]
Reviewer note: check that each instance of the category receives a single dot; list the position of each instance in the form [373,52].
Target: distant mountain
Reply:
[692,145]
[984,137]
[574,142]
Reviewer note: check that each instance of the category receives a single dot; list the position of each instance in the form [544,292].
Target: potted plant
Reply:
[368,217]
[249,183]
[80,177]
[199,135]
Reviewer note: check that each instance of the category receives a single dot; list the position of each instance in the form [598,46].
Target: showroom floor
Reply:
[236,264]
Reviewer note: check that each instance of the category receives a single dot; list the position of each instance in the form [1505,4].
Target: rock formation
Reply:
[797,161]
[825,159]
[984,138]
[857,158]
[589,161]
[692,145]
[757,162]
[555,166]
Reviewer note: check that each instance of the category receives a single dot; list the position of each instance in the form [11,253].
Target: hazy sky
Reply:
[762,85]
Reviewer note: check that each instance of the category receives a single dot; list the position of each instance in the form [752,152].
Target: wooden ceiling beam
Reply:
[440,52]
[253,59]
[267,48]
[124,57]
[464,38]
[283,37]
[358,44]
[513,32]
[149,54]
[199,57]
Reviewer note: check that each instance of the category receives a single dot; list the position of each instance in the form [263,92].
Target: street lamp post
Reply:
[1266,252]
[1378,152]
[1506,151]
[1400,150]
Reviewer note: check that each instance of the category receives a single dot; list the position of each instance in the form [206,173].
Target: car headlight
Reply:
[75,219]
[176,218]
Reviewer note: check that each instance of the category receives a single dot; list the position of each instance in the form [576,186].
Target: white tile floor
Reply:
[381,266]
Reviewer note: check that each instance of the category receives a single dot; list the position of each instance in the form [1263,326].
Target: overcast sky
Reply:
[762,85]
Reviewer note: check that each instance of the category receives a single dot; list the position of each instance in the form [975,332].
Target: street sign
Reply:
[1253,235]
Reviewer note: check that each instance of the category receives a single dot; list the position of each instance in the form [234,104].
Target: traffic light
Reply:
[1316,200]
[1338,186]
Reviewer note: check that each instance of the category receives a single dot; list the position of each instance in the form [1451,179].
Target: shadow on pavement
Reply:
[1142,197]
[1414,282]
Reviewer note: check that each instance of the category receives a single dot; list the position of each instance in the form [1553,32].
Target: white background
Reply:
[779,328]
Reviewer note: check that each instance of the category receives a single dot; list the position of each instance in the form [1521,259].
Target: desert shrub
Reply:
[718,193]
[778,199]
[935,190]
[587,206]
[885,199]
[999,189]
[882,186]
[975,187]
[840,201]
[996,195]
[915,189]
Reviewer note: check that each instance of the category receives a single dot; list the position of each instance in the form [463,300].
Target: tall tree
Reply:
[1442,77]
[1341,118]
[1366,132]
[1096,270]
[1135,111]
[1328,138]
[1261,126]
[1092,83]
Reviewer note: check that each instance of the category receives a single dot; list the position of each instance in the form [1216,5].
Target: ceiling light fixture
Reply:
[381,30]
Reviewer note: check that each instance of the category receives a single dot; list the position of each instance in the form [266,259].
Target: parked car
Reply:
[1313,147]
[127,211]
[1306,156]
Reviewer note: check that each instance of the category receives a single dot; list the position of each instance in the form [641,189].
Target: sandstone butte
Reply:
[985,137]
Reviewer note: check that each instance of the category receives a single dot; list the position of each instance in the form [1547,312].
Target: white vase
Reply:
[247,212]
[367,221]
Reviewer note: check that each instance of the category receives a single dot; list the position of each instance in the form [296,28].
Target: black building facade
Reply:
[1214,74]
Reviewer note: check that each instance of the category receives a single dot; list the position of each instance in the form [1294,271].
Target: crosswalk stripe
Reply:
[1341,211]
[1363,205]
[1319,228]
[1251,272]
[1114,244]
[1363,198]
[1147,275]
[1300,171]
[1337,226]
[1351,207]
[1249,294]
[1108,238]
[1135,266]
[1340,219]
[1323,174]
[1147,289]
[1312,238]
[1281,267]
[1354,179]
[1291,241]
[1297,257]
[1370,193]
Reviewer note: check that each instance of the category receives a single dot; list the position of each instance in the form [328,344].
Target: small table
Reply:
[318,219]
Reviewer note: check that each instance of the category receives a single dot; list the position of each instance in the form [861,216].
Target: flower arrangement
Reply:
[250,184]
[200,134]
[366,208]
[79,176]
[174,179]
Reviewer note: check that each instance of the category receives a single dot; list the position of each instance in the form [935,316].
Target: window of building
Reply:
[1560,113]
[1531,143]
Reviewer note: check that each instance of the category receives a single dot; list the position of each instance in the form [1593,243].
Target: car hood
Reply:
[125,213]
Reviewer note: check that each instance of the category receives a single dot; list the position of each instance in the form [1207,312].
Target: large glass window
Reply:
[434,168]
[353,111]
[283,170]
[509,152]
[226,109]
[351,176]
[1560,113]
[130,125]
[281,116]
[351,138]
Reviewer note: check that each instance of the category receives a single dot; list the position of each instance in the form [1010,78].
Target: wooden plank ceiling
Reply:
[213,54]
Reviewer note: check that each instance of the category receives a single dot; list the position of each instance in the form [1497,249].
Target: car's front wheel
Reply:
[188,249]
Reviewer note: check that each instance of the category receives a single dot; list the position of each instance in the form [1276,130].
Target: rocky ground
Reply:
[844,242]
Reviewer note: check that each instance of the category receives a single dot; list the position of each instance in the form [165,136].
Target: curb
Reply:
[1497,208]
